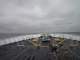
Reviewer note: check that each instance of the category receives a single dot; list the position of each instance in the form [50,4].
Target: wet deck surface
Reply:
[25,51]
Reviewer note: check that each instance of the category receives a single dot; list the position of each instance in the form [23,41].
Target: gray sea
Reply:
[9,35]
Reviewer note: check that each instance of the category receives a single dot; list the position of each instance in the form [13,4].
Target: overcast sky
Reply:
[39,16]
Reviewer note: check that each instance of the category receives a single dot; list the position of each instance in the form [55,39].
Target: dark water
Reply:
[8,35]
[73,33]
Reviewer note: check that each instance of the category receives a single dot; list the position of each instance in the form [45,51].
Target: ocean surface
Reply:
[8,35]
[11,35]
[72,33]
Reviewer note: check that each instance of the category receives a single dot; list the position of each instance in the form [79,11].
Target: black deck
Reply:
[28,52]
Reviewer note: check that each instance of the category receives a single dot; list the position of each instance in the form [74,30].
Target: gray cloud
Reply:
[39,16]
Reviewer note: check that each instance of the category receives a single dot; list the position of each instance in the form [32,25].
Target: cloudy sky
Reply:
[39,16]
